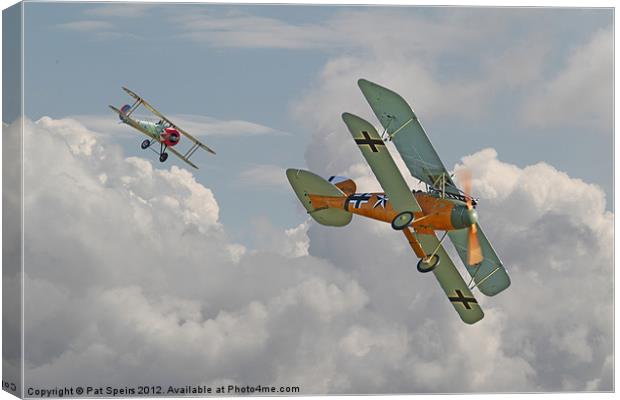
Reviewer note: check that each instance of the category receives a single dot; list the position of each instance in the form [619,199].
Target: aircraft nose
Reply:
[471,217]
[462,217]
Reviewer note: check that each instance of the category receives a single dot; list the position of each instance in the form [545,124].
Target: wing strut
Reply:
[191,150]
[399,129]
[439,244]
[483,279]
[385,130]
[133,107]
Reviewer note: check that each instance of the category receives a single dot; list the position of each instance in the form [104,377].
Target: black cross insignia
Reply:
[462,299]
[358,199]
[373,143]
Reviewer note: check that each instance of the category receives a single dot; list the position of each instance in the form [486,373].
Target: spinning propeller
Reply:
[474,252]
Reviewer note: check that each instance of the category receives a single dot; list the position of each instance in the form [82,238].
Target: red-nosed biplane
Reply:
[164,132]
[418,214]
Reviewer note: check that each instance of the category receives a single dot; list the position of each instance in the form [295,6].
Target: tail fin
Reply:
[305,183]
[124,110]
[347,185]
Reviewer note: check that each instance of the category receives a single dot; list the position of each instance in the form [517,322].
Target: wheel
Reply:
[428,266]
[145,144]
[402,220]
[163,157]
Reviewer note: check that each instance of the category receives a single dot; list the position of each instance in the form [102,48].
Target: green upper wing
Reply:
[381,163]
[391,180]
[452,282]
[402,125]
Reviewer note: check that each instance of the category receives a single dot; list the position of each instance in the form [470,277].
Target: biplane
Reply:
[419,213]
[164,132]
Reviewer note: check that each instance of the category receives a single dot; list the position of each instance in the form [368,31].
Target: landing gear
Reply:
[429,264]
[145,144]
[402,220]
[163,156]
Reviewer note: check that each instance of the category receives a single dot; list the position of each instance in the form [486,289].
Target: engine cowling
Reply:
[170,137]
[462,217]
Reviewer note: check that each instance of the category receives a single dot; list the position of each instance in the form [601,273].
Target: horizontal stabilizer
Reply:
[305,184]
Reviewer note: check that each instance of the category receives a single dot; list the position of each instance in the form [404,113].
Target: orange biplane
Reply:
[418,214]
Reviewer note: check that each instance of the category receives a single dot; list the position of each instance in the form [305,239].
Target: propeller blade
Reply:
[474,252]
[465,178]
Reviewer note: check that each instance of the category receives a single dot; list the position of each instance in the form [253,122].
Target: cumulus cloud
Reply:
[139,280]
[419,55]
[131,277]
[579,94]
[414,52]
[291,242]
[551,330]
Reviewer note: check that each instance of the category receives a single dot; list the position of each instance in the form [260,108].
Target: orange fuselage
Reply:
[437,213]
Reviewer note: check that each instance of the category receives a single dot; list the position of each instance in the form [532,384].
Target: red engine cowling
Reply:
[170,137]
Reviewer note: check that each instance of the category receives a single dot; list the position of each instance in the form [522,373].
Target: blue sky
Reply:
[259,63]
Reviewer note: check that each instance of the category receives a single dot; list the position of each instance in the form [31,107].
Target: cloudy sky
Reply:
[138,271]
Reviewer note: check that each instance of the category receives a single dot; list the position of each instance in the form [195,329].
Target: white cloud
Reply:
[142,282]
[86,25]
[243,30]
[210,126]
[412,54]
[138,285]
[292,242]
[542,333]
[99,30]
[129,278]
[581,94]
[346,28]
[412,57]
[196,125]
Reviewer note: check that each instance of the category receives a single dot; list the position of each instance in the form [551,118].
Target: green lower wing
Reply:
[378,157]
[490,276]
[452,282]
[416,150]
[392,181]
